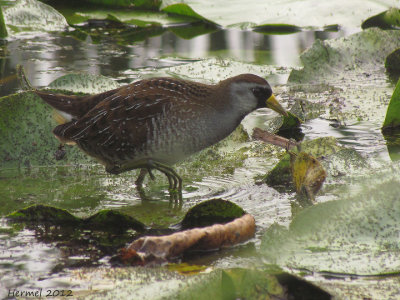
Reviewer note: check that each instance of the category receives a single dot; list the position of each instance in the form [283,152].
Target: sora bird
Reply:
[155,123]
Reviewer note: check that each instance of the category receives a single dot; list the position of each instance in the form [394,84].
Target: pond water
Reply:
[28,260]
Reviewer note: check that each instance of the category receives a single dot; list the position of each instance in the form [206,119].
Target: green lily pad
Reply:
[300,13]
[392,62]
[107,220]
[343,57]
[32,15]
[389,19]
[27,123]
[348,72]
[133,17]
[3,29]
[392,120]
[354,235]
[182,9]
[83,83]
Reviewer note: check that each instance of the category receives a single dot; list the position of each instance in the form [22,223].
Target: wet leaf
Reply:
[192,30]
[106,220]
[389,19]
[308,174]
[348,56]
[392,62]
[348,72]
[186,269]
[133,17]
[83,83]
[355,235]
[182,9]
[294,13]
[27,123]
[3,29]
[32,15]
[392,120]
[337,160]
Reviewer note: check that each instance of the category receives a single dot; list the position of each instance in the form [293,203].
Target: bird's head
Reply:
[251,92]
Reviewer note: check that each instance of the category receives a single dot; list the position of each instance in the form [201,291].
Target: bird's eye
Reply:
[259,92]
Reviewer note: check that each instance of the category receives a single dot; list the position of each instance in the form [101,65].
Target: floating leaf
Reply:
[392,62]
[348,56]
[392,119]
[107,220]
[83,83]
[32,15]
[308,174]
[3,29]
[297,13]
[183,9]
[356,235]
[389,19]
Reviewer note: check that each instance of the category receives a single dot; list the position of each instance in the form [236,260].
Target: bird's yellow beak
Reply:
[272,103]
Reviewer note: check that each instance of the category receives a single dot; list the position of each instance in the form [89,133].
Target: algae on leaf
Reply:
[32,15]
[26,124]
[351,70]
[331,60]
[356,235]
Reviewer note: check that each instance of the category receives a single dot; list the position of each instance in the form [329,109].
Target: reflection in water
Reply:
[47,56]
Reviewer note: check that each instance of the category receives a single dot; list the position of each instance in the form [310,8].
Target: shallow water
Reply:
[29,263]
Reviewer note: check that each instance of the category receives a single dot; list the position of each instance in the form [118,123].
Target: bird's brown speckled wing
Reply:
[123,122]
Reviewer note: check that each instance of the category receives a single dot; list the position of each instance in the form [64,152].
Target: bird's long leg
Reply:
[140,179]
[175,181]
[146,165]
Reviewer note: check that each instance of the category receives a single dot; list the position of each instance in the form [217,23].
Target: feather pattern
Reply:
[165,119]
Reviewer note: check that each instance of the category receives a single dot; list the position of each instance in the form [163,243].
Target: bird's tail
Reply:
[67,107]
